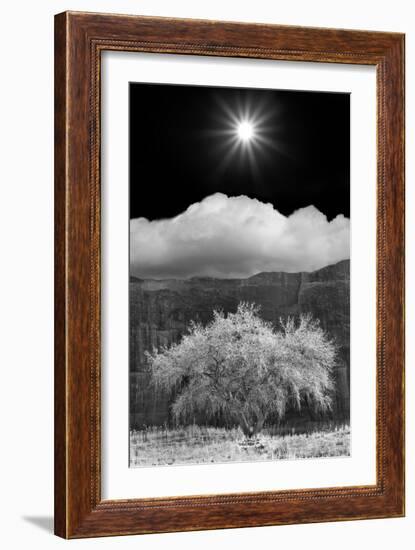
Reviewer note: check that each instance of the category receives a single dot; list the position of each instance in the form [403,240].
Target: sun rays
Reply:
[247,131]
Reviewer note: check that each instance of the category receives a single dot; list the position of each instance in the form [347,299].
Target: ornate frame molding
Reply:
[79,40]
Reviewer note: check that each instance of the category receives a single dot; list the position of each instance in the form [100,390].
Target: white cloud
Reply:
[236,237]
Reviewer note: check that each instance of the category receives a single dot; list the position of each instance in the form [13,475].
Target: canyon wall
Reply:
[161,310]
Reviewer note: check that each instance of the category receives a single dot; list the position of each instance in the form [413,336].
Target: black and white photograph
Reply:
[239,275]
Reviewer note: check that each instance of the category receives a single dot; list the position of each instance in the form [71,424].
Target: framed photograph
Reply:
[229,275]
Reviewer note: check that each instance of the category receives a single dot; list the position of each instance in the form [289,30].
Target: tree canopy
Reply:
[238,366]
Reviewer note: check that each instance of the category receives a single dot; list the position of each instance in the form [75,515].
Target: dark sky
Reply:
[179,148]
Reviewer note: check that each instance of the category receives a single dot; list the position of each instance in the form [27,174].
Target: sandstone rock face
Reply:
[160,311]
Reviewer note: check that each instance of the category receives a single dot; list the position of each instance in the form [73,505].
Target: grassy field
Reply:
[198,445]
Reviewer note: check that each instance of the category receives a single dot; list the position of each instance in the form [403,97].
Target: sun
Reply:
[245,130]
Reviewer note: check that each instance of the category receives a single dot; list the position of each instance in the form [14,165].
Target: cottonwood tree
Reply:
[239,367]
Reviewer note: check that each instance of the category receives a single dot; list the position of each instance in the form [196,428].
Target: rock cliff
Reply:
[161,310]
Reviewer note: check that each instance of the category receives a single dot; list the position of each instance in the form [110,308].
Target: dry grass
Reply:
[201,445]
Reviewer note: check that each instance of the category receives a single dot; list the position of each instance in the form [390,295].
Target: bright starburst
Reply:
[247,130]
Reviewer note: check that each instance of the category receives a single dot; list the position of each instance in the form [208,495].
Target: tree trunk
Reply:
[246,427]
[259,424]
[251,429]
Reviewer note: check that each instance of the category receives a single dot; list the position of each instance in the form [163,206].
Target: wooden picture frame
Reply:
[79,40]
